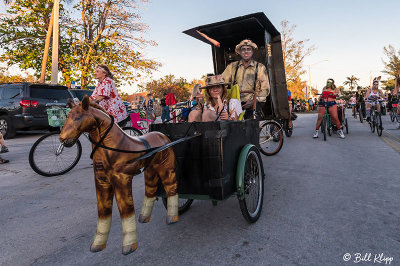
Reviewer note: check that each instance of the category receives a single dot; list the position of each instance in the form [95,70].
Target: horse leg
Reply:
[168,179]
[104,193]
[123,195]
[151,181]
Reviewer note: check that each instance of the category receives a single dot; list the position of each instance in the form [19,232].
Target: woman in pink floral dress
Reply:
[106,95]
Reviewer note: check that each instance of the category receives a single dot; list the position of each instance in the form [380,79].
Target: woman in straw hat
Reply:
[218,105]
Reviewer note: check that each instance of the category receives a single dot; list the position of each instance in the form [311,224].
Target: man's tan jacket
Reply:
[245,79]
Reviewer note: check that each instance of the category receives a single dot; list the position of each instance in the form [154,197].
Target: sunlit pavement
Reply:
[324,201]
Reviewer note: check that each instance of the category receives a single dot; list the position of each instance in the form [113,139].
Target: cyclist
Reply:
[329,94]
[360,100]
[371,98]
[352,103]
[106,95]
[290,108]
[392,99]
[249,75]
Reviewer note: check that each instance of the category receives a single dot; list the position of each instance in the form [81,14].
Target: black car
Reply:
[81,93]
[23,105]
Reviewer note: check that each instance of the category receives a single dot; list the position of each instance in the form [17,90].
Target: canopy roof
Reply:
[234,29]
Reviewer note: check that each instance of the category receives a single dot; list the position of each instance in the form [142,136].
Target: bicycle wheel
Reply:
[48,157]
[324,127]
[183,204]
[347,126]
[271,138]
[372,123]
[133,132]
[379,127]
[360,115]
[329,126]
[392,116]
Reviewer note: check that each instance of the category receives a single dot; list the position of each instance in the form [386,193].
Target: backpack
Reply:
[170,99]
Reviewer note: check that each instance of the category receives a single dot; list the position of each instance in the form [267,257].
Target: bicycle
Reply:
[326,124]
[376,120]
[361,111]
[393,113]
[48,157]
[343,122]
[271,131]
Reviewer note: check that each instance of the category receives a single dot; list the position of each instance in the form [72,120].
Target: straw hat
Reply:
[213,81]
[245,42]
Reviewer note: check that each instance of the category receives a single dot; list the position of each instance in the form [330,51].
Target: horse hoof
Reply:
[97,248]
[126,250]
[172,219]
[144,219]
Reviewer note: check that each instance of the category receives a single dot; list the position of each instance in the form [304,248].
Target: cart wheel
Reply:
[347,126]
[251,184]
[271,138]
[184,204]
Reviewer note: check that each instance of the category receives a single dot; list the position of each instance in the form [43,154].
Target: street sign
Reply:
[73,84]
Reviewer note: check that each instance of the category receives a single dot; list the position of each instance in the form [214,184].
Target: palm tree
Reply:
[351,81]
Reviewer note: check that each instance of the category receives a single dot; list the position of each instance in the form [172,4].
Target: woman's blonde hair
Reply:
[107,70]
[224,95]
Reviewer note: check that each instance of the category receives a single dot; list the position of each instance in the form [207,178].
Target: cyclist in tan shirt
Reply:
[249,75]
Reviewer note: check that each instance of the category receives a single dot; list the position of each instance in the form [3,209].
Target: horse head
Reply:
[79,120]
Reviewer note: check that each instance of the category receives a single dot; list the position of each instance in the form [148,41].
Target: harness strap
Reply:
[102,138]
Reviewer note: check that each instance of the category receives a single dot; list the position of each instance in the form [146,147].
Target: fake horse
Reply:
[113,171]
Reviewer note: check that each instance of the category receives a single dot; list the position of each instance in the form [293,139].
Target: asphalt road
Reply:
[321,201]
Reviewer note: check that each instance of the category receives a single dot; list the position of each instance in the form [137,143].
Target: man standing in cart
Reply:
[250,75]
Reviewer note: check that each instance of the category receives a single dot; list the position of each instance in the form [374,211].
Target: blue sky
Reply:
[349,34]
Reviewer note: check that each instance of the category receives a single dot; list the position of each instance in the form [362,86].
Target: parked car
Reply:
[23,105]
[81,93]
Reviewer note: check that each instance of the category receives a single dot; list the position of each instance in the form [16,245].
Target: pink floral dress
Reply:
[112,103]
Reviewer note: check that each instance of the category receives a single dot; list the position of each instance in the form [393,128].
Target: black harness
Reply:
[149,151]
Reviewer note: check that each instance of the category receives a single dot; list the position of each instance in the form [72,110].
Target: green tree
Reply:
[294,53]
[23,33]
[169,84]
[93,32]
[351,81]
[110,32]
[392,66]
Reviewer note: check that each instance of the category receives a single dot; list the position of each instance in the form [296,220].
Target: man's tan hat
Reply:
[214,80]
[245,42]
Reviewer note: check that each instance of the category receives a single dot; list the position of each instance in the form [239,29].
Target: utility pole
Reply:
[54,59]
[46,47]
